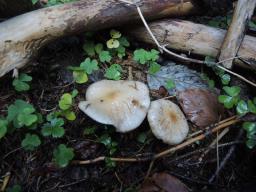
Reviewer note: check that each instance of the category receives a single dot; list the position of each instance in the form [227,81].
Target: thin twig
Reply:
[161,154]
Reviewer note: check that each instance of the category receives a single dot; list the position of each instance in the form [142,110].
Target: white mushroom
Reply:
[123,104]
[167,122]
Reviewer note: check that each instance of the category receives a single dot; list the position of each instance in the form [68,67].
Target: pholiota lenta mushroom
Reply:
[167,122]
[123,104]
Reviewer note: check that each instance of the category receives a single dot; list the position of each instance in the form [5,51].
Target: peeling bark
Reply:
[21,37]
[199,39]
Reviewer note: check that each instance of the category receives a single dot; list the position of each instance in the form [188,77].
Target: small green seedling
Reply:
[105,56]
[109,143]
[65,105]
[30,142]
[86,67]
[21,114]
[148,57]
[232,97]
[62,155]
[3,127]
[113,72]
[250,128]
[21,83]
[54,128]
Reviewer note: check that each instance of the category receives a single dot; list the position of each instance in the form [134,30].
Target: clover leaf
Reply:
[66,101]
[113,43]
[62,155]
[228,101]
[154,67]
[21,83]
[225,79]
[80,77]
[140,55]
[30,142]
[124,42]
[242,107]
[89,48]
[98,48]
[115,34]
[105,56]
[232,91]
[251,106]
[250,128]
[89,65]
[3,127]
[53,128]
[21,113]
[113,72]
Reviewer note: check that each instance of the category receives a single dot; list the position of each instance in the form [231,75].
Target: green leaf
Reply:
[20,84]
[80,77]
[232,91]
[113,72]
[53,128]
[65,101]
[113,43]
[15,188]
[249,126]
[225,79]
[110,163]
[251,143]
[154,67]
[115,34]
[21,113]
[89,65]
[153,55]
[242,107]
[30,142]
[228,101]
[124,42]
[140,55]
[3,127]
[120,52]
[170,84]
[69,115]
[105,56]
[62,155]
[89,48]
[251,106]
[98,48]
[254,100]
[74,93]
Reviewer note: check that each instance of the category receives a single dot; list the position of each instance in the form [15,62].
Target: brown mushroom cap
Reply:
[167,121]
[123,104]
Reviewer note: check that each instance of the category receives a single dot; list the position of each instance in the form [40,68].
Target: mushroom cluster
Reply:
[125,104]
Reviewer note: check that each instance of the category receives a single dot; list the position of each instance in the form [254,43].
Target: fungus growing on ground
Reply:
[123,104]
[167,121]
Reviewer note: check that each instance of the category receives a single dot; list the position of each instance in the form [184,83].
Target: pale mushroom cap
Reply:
[167,122]
[123,104]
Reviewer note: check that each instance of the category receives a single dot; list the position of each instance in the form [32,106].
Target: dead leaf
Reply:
[201,106]
[163,182]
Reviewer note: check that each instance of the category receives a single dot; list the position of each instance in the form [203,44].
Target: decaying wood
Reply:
[22,36]
[194,38]
[235,34]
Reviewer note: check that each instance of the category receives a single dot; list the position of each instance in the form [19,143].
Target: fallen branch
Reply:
[235,34]
[189,37]
[22,36]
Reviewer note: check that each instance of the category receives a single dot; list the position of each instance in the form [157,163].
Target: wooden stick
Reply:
[235,34]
